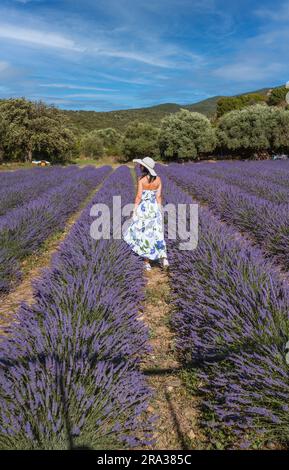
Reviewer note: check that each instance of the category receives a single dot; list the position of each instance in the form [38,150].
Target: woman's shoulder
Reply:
[158,180]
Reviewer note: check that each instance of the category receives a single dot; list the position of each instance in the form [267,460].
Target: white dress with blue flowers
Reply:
[145,235]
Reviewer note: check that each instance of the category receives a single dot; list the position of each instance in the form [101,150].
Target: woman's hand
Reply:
[134,214]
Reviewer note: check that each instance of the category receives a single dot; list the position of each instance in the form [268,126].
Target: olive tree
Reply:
[140,140]
[186,135]
[91,145]
[278,96]
[231,103]
[255,130]
[111,140]
[33,129]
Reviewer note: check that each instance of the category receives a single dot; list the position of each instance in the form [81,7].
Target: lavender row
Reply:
[21,190]
[262,188]
[70,370]
[276,172]
[23,230]
[9,178]
[267,222]
[232,325]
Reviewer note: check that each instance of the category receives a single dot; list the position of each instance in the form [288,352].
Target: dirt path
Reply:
[32,268]
[176,427]
[176,409]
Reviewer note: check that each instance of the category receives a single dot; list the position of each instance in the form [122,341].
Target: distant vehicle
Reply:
[40,162]
[280,157]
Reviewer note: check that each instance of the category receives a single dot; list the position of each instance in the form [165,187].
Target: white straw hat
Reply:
[148,163]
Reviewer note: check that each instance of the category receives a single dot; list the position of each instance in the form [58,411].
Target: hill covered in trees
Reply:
[86,121]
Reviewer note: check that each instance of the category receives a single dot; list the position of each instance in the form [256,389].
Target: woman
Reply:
[145,235]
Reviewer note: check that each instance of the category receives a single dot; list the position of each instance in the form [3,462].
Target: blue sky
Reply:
[118,54]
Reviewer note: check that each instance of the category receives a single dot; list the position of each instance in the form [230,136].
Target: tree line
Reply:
[242,127]
[33,130]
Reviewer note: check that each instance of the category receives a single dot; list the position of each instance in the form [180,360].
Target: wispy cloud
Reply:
[94,95]
[76,54]
[138,56]
[66,86]
[38,38]
[26,1]
[275,14]
[103,48]
[242,72]
[3,66]
[133,81]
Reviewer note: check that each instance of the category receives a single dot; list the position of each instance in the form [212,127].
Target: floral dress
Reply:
[145,235]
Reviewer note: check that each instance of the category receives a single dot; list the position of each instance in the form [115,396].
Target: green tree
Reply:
[278,130]
[277,96]
[111,140]
[140,140]
[255,130]
[34,130]
[231,103]
[186,135]
[3,138]
[91,145]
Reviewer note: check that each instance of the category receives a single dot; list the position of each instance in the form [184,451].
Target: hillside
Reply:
[207,107]
[88,120]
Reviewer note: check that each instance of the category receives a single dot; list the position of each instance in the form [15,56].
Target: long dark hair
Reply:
[145,172]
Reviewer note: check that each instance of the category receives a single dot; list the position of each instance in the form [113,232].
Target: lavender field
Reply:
[72,361]
[34,205]
[231,304]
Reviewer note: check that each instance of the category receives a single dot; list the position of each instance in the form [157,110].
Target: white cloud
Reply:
[59,41]
[94,95]
[3,66]
[74,87]
[262,58]
[133,81]
[278,14]
[149,59]
[243,72]
[131,44]
[38,38]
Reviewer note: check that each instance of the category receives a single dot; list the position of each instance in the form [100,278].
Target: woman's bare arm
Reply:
[159,193]
[138,194]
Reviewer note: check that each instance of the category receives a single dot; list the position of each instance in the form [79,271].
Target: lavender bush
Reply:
[70,363]
[262,188]
[29,185]
[276,172]
[248,395]
[267,222]
[231,309]
[25,228]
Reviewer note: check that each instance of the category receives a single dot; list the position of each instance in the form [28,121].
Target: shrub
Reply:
[91,145]
[186,135]
[254,129]
[278,96]
[231,103]
[140,140]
